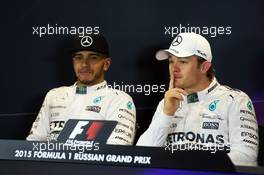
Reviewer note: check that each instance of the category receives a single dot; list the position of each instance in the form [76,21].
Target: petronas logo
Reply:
[212,105]
[249,105]
[129,105]
[97,99]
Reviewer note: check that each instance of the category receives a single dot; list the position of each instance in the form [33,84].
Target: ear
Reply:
[205,66]
[107,63]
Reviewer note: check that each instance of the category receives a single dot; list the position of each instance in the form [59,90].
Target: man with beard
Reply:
[89,97]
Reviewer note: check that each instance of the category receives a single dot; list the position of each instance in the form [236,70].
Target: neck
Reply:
[88,84]
[204,83]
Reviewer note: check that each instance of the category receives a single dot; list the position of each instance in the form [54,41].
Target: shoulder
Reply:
[237,93]
[160,105]
[235,96]
[59,91]
[120,99]
[118,94]
[161,102]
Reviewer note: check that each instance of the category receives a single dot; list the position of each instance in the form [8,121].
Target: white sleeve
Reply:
[40,127]
[243,132]
[158,130]
[122,110]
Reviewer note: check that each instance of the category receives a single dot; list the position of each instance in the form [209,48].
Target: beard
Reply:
[92,79]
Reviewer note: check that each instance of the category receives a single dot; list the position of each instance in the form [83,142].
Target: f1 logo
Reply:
[78,129]
[91,132]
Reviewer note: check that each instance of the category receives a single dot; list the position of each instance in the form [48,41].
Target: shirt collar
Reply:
[88,89]
[198,96]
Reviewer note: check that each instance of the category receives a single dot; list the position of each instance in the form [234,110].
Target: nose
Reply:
[175,66]
[85,62]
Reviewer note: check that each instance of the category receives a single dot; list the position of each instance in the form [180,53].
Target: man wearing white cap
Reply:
[197,109]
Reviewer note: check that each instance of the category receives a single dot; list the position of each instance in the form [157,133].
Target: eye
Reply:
[183,61]
[94,57]
[77,58]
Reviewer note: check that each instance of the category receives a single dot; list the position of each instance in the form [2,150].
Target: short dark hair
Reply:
[211,72]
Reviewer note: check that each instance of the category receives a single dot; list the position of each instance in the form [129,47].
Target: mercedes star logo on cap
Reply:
[177,41]
[86,41]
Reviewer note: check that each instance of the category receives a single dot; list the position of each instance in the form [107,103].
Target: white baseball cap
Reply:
[185,45]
